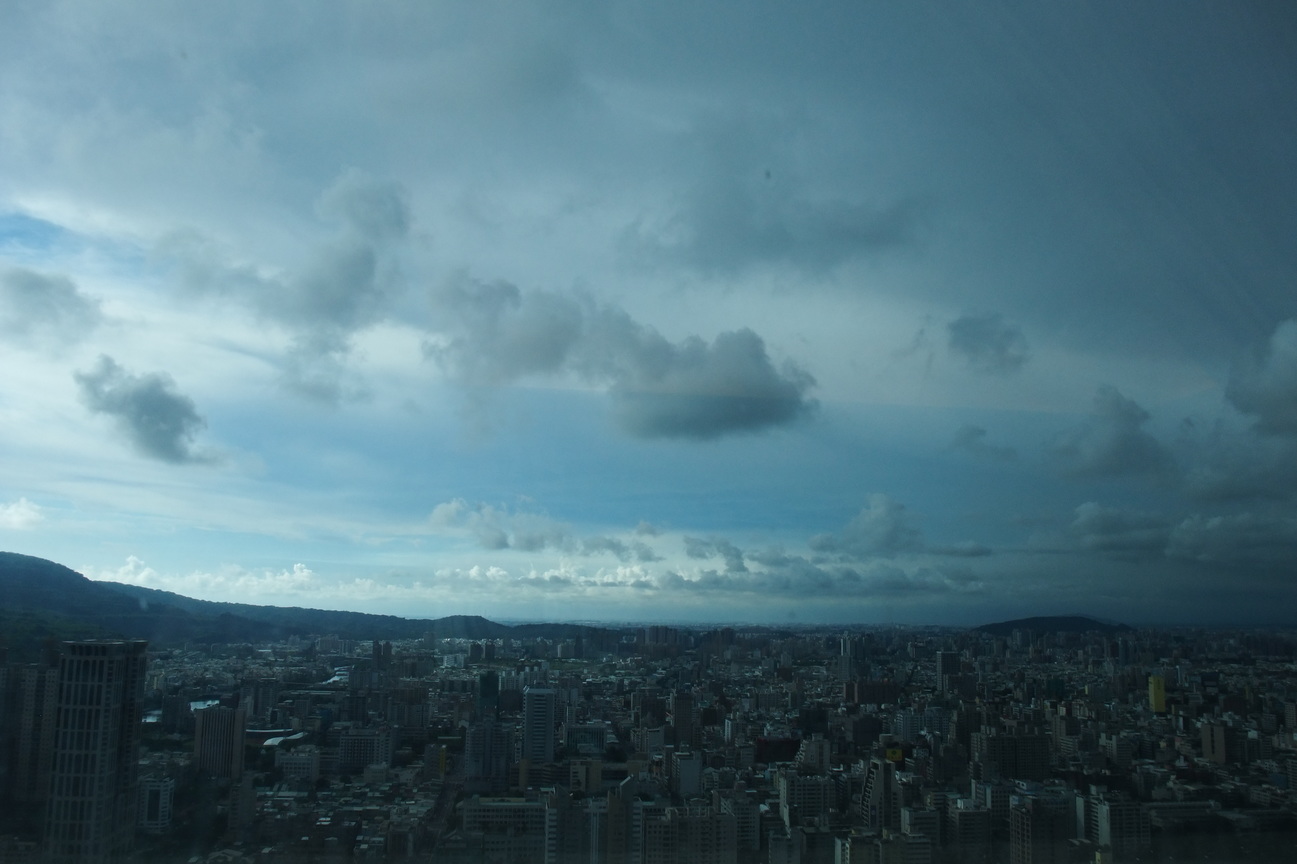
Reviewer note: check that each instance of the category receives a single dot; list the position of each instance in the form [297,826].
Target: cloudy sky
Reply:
[724,311]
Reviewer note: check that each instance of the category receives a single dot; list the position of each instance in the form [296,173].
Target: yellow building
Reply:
[1157,694]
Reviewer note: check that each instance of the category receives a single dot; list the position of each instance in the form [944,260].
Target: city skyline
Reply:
[744,313]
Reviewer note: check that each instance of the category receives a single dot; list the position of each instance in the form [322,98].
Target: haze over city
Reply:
[681,312]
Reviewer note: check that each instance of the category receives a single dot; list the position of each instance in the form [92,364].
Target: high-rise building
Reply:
[360,747]
[681,705]
[1022,756]
[157,795]
[1222,744]
[488,693]
[1039,829]
[31,705]
[1157,694]
[948,668]
[1113,821]
[538,709]
[1123,827]
[94,790]
[218,741]
[697,834]
[880,801]
[488,748]
[258,698]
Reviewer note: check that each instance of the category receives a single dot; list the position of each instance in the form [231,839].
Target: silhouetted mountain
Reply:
[1053,624]
[41,600]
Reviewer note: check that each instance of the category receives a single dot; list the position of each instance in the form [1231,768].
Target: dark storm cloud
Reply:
[1113,443]
[39,308]
[706,391]
[493,333]
[972,439]
[1266,386]
[1111,530]
[988,343]
[797,577]
[1229,465]
[883,528]
[1240,540]
[160,421]
[714,547]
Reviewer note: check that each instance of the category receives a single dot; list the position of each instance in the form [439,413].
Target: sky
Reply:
[827,312]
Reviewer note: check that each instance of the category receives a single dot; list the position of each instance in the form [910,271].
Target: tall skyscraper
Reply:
[218,741]
[32,693]
[681,705]
[488,748]
[538,709]
[948,668]
[94,782]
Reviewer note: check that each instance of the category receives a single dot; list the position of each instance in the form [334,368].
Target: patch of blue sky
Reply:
[33,242]
[558,459]
[38,244]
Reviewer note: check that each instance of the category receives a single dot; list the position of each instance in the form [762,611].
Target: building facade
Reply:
[94,790]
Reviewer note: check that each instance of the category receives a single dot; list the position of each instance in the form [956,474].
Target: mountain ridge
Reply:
[1053,623]
[42,599]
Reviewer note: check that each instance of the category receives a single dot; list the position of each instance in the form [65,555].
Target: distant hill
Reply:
[41,600]
[1053,624]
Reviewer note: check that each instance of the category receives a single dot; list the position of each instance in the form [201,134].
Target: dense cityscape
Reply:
[608,432]
[1046,740]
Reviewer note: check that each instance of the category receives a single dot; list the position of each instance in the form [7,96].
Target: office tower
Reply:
[157,794]
[815,754]
[359,748]
[382,653]
[1223,744]
[1024,756]
[488,693]
[682,718]
[94,790]
[906,724]
[488,748]
[968,830]
[512,829]
[696,834]
[538,708]
[32,699]
[922,820]
[686,773]
[948,667]
[880,802]
[1123,826]
[1039,829]
[259,697]
[1157,694]
[218,741]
